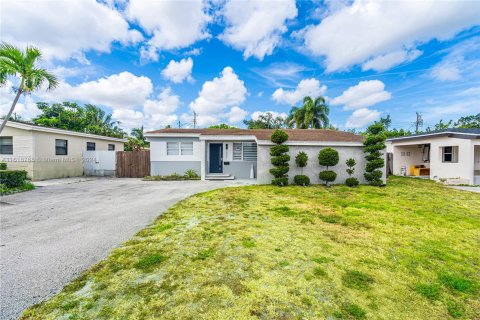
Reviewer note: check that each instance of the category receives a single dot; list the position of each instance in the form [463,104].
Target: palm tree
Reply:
[313,114]
[23,64]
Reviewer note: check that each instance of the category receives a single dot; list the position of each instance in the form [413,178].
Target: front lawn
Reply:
[407,251]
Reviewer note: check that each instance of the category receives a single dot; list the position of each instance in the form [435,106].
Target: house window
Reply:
[90,146]
[61,147]
[179,148]
[246,151]
[111,147]
[449,154]
[6,145]
[237,151]
[186,148]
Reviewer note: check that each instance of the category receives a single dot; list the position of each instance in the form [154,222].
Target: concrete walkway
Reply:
[466,188]
[51,234]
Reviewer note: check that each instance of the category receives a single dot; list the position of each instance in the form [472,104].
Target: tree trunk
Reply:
[4,122]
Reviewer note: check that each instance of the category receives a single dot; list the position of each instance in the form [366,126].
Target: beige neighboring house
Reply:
[452,155]
[47,153]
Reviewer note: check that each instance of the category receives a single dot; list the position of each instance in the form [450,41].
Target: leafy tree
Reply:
[23,64]
[301,161]
[137,140]
[328,157]
[266,121]
[440,126]
[280,158]
[472,121]
[387,122]
[71,116]
[313,114]
[221,126]
[373,145]
[351,181]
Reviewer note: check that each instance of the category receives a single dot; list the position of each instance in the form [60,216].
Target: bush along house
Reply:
[225,154]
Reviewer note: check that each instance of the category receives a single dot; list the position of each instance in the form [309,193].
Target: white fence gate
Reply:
[99,163]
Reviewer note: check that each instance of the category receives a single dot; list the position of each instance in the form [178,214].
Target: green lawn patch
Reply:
[405,251]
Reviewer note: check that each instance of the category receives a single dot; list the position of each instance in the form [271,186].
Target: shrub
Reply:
[13,178]
[328,157]
[279,158]
[352,182]
[301,180]
[280,181]
[279,136]
[3,166]
[301,159]
[278,150]
[191,174]
[279,172]
[373,145]
[327,176]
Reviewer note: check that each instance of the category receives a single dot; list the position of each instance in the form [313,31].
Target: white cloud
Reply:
[460,62]
[445,72]
[362,117]
[64,29]
[235,115]
[177,72]
[255,27]
[364,94]
[160,112]
[216,95]
[368,29]
[26,107]
[127,118]
[275,114]
[279,74]
[123,90]
[171,24]
[386,61]
[307,87]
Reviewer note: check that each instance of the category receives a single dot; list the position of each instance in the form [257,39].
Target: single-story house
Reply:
[245,153]
[452,155]
[47,153]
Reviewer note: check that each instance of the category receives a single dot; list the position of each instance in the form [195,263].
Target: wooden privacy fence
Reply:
[132,164]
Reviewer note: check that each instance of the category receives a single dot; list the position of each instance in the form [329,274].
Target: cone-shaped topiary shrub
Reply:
[328,157]
[373,145]
[280,158]
[351,181]
[301,161]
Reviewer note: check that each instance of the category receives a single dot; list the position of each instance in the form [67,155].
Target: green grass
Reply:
[406,251]
[27,186]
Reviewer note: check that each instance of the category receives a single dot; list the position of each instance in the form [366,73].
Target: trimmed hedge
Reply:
[327,176]
[328,157]
[278,150]
[280,158]
[352,182]
[3,166]
[13,178]
[301,180]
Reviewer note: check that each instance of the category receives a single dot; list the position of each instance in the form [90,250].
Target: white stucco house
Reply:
[47,153]
[245,153]
[452,155]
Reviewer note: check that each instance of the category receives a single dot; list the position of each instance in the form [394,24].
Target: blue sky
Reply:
[155,63]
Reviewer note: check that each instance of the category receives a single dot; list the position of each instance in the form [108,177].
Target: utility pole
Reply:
[418,122]
[194,120]
[179,124]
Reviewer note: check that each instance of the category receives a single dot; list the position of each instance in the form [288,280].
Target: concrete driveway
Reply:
[51,234]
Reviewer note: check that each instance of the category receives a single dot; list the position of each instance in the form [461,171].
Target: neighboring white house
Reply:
[450,154]
[47,153]
[245,153]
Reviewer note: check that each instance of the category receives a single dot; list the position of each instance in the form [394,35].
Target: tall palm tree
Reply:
[313,114]
[23,64]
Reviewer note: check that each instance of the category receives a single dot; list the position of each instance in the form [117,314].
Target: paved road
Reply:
[466,188]
[51,234]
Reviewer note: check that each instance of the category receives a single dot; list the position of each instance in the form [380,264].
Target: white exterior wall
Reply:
[313,168]
[463,169]
[22,156]
[158,149]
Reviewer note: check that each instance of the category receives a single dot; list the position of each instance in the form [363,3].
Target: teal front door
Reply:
[216,158]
